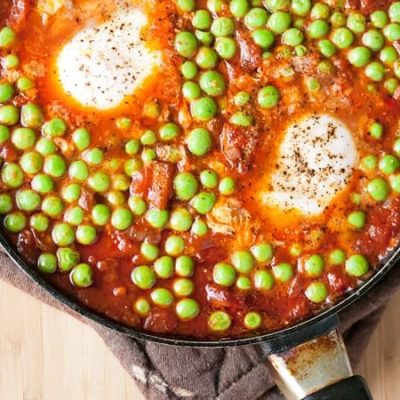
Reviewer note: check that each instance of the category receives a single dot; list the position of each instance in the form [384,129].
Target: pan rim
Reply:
[97,317]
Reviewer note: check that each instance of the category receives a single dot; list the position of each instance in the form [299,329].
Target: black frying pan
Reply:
[309,359]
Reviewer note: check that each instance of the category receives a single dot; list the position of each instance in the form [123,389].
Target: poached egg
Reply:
[314,164]
[104,63]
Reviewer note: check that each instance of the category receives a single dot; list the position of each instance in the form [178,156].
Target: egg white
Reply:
[103,64]
[315,163]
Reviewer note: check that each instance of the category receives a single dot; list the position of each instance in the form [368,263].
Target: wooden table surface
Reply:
[46,355]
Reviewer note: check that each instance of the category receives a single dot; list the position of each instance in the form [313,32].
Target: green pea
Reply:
[189,70]
[338,19]
[122,218]
[199,228]
[39,222]
[54,128]
[241,118]
[396,68]
[202,19]
[357,266]
[148,138]
[86,234]
[373,39]
[31,116]
[184,266]
[10,61]
[394,12]
[206,38]
[206,58]
[222,26]
[186,5]
[47,263]
[293,37]
[203,109]
[4,134]
[164,267]
[268,97]
[6,203]
[316,292]
[23,138]
[71,192]
[375,71]
[137,205]
[314,266]
[356,219]
[99,182]
[142,307]
[263,280]
[241,98]
[186,44]
[257,17]
[301,7]
[162,297]
[181,220]
[391,85]
[337,257]
[376,130]
[313,84]
[45,146]
[318,29]
[93,156]
[389,164]
[378,189]
[123,123]
[6,92]
[279,22]
[342,38]
[27,200]
[203,202]
[187,309]
[149,251]
[183,287]
[283,272]
[8,37]
[157,218]
[224,274]
[396,147]
[243,261]
[54,166]
[185,186]
[169,131]
[356,22]
[191,90]
[63,234]
[227,186]
[392,32]
[101,214]
[215,6]
[226,48]
[12,175]
[252,320]
[243,283]
[42,183]
[369,162]
[320,11]
[212,83]
[143,277]
[82,275]
[24,84]
[15,222]
[9,115]
[67,258]
[132,147]
[395,183]
[219,321]
[81,139]
[31,162]
[327,48]
[174,245]
[359,56]
[262,252]
[379,19]
[74,216]
[209,179]
[296,249]
[116,198]
[388,55]
[239,8]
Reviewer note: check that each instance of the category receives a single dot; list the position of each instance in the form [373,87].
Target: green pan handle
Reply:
[353,388]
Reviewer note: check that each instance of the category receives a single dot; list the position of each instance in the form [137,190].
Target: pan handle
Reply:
[318,369]
[353,388]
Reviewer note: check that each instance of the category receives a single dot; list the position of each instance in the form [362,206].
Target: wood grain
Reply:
[46,355]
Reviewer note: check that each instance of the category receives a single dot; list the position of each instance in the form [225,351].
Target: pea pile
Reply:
[71,192]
